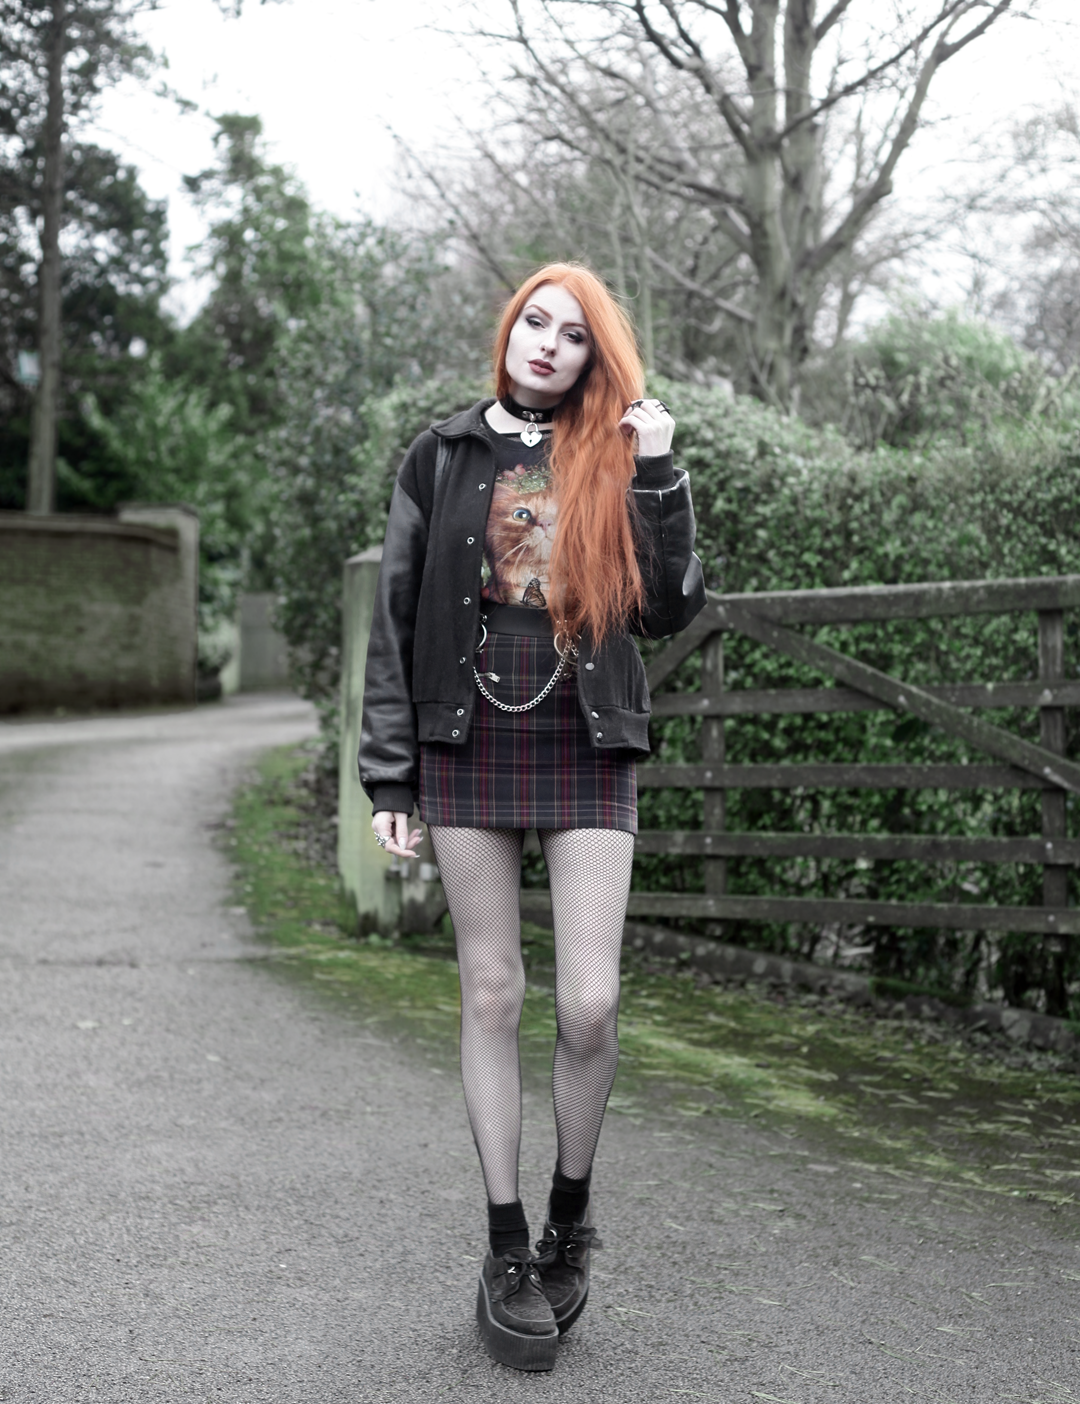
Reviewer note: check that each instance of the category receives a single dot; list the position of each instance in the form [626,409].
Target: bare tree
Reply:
[1014,217]
[1044,192]
[792,90]
[514,197]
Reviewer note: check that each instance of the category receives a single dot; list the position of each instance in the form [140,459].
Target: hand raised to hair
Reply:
[649,426]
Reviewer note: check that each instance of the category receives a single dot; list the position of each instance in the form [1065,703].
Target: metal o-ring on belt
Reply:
[530,623]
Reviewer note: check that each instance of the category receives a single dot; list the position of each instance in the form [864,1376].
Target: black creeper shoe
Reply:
[515,1320]
[562,1259]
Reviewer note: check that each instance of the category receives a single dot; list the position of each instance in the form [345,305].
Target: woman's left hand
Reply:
[649,422]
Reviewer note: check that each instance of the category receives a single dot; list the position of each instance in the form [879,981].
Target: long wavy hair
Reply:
[595,580]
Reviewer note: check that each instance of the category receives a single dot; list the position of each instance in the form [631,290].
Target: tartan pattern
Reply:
[530,770]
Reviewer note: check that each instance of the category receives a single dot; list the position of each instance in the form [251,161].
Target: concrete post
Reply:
[264,655]
[391,895]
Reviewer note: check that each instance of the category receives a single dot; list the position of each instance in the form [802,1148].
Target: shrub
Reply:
[335,462]
[919,380]
[784,506]
[169,444]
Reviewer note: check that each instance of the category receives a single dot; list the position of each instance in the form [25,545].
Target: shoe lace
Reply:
[519,1270]
[572,1242]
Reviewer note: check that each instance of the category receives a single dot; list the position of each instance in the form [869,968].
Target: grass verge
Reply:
[912,1099]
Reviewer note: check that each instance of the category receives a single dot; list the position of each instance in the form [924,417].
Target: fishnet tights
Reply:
[589,871]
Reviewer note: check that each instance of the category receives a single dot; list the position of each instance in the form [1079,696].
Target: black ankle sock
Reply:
[569,1198]
[507,1227]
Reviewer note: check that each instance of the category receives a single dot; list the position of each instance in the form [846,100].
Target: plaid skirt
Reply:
[527,770]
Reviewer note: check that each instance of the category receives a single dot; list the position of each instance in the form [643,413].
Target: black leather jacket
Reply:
[418,685]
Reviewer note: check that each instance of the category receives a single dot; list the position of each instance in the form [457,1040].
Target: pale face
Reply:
[549,347]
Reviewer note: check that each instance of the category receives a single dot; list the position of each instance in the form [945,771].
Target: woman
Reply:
[525,544]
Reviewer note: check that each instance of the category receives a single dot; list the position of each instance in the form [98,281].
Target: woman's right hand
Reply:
[395,829]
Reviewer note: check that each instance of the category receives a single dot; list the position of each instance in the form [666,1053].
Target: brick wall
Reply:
[97,612]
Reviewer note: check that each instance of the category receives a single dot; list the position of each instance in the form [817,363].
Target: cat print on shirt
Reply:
[519,537]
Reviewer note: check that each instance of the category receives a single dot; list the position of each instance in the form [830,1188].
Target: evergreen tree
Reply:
[55,58]
[266,273]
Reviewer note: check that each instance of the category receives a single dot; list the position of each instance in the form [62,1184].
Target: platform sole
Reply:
[571,1316]
[514,1348]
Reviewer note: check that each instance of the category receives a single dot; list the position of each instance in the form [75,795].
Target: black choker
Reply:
[534,416]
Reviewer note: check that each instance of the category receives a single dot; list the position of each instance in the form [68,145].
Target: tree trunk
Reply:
[41,489]
[770,250]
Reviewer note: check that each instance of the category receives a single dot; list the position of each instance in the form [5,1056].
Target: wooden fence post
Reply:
[1052,737]
[712,753]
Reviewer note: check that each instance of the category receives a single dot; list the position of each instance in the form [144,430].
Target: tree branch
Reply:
[979,29]
[474,237]
[732,17]
[835,15]
[659,178]
[739,313]
[848,230]
[949,13]
[737,121]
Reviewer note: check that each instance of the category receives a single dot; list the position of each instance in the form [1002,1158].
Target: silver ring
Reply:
[571,645]
[380,839]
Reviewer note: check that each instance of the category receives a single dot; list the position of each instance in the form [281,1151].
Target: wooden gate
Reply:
[1013,762]
[1010,761]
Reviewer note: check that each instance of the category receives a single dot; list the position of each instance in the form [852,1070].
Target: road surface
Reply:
[217,1187]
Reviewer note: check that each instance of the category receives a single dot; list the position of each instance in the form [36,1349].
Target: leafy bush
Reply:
[784,506]
[336,463]
[780,506]
[357,377]
[168,444]
[919,379]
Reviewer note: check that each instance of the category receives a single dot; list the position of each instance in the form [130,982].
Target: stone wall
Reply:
[98,611]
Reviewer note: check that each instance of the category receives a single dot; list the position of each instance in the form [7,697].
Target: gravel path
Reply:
[218,1187]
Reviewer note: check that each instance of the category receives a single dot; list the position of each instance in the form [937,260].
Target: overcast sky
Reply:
[330,78]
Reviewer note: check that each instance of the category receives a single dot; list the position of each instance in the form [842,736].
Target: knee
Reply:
[492,1004]
[588,1018]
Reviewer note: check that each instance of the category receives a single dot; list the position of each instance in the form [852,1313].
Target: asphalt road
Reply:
[217,1186]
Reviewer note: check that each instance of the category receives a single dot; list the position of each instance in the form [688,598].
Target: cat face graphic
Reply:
[520,535]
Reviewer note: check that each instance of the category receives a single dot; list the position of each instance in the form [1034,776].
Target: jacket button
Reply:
[470,540]
[589,667]
[483,486]
[455,733]
[461,660]
[599,736]
[596,716]
[461,711]
[467,600]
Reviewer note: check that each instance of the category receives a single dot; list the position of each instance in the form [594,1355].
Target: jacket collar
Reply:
[465,422]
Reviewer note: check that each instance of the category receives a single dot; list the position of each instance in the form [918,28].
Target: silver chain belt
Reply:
[566,660]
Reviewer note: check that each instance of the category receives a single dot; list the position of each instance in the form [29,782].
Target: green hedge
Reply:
[783,506]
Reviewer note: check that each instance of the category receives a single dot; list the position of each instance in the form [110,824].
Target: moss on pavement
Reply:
[911,1099]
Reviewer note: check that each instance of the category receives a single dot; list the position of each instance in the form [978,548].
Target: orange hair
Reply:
[595,579]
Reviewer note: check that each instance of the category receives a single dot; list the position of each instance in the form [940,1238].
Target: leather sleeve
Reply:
[665,529]
[389,756]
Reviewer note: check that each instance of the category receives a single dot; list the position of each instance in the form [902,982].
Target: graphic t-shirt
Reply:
[520,526]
